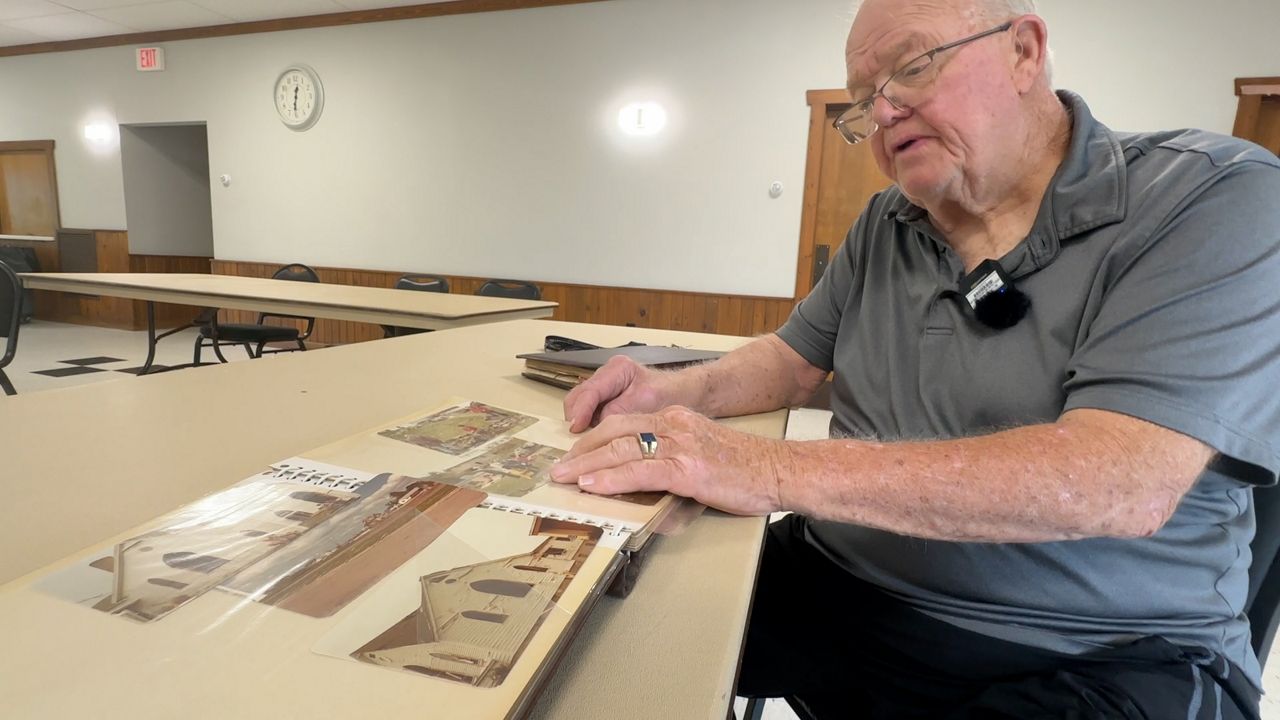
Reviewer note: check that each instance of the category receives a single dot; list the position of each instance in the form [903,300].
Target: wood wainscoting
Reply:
[112,248]
[665,309]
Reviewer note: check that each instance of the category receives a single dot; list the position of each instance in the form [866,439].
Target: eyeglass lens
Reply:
[857,124]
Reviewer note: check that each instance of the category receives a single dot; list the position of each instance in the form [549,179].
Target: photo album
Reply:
[435,545]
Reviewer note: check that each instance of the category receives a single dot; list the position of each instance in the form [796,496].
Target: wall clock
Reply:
[299,97]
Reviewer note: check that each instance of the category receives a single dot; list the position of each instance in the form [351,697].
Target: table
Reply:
[384,306]
[86,464]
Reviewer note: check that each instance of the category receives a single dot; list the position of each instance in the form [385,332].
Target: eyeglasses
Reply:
[856,123]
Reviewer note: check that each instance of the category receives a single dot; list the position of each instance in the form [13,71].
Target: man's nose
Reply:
[888,109]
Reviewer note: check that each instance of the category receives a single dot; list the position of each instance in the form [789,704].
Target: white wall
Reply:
[166,189]
[485,144]
[1160,64]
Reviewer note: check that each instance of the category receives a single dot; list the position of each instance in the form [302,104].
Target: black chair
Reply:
[10,318]
[253,337]
[515,289]
[20,260]
[421,283]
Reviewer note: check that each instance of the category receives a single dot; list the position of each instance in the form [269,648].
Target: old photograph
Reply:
[395,518]
[459,430]
[473,621]
[288,537]
[511,468]
[201,546]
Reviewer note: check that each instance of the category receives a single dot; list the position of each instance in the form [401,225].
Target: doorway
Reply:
[839,181]
[28,191]
[166,189]
[29,217]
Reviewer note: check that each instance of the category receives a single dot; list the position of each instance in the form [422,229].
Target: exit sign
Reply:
[150,59]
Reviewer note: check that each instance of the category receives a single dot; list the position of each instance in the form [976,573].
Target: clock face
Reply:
[299,97]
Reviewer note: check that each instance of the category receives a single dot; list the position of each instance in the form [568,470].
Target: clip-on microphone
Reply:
[995,301]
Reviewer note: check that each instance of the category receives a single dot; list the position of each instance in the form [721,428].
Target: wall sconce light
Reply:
[97,133]
[642,118]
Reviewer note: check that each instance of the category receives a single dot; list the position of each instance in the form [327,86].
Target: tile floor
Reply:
[53,355]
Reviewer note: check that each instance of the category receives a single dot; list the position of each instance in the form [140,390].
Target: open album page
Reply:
[433,547]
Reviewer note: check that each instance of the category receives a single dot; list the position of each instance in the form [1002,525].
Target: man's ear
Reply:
[1031,51]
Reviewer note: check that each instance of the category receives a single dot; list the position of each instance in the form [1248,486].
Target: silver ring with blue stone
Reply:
[648,445]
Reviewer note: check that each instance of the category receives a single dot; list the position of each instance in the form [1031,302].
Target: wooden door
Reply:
[839,181]
[1258,115]
[28,190]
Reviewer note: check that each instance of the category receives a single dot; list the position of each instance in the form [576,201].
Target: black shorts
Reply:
[842,648]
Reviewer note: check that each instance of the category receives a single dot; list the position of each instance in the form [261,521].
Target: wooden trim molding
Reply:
[818,101]
[667,309]
[823,98]
[1248,111]
[27,146]
[354,17]
[1258,86]
[1264,90]
[1256,110]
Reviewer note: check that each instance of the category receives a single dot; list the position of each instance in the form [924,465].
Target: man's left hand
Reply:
[696,458]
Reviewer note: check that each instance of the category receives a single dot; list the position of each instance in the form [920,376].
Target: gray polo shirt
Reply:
[1153,269]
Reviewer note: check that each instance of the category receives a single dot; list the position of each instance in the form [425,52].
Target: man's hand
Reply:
[619,387]
[732,471]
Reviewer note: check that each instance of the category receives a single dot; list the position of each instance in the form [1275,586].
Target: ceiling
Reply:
[24,22]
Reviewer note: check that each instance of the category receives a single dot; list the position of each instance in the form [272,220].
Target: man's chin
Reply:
[921,188]
[917,192]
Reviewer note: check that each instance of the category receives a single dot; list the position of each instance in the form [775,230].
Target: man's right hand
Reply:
[619,387]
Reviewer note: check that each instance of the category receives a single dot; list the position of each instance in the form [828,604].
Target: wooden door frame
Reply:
[45,147]
[820,102]
[1251,91]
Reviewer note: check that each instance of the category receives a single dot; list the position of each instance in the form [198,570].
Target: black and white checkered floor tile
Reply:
[53,356]
[84,366]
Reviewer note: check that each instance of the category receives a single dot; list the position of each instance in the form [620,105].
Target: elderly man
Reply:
[1023,512]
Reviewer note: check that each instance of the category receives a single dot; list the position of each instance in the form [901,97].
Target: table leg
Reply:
[151,338]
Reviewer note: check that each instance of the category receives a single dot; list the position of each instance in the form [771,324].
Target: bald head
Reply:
[971,14]
[1001,10]
[987,9]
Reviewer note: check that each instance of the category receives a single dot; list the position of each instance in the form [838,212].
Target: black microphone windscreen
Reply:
[1003,308]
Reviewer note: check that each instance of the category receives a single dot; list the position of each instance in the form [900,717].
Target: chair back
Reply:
[1263,603]
[10,315]
[10,310]
[10,304]
[297,272]
[515,289]
[424,283]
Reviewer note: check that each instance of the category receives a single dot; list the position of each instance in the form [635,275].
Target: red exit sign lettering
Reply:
[150,59]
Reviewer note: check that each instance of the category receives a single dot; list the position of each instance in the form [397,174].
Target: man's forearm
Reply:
[1091,474]
[764,375]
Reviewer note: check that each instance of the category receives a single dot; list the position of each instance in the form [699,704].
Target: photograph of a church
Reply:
[475,620]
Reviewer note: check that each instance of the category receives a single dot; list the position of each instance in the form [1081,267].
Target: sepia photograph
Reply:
[201,546]
[286,537]
[395,518]
[511,468]
[459,430]
[469,622]
[474,620]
